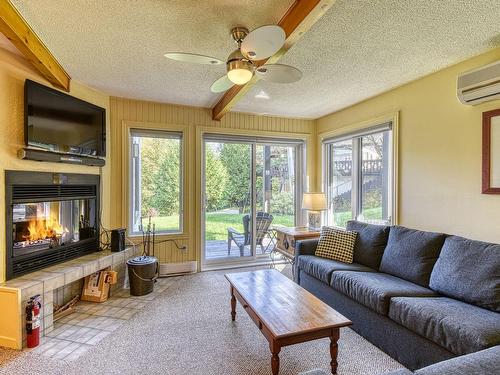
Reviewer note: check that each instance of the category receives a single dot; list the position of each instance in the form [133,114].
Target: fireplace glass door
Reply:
[41,226]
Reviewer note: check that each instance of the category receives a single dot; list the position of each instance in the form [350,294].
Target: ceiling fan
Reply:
[259,44]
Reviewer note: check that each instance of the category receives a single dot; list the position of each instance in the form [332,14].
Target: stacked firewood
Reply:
[66,309]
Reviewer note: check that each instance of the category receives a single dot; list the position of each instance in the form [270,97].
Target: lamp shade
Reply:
[314,201]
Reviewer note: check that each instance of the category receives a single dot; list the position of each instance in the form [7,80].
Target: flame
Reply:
[47,228]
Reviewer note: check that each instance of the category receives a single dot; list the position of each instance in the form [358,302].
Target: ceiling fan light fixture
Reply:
[239,71]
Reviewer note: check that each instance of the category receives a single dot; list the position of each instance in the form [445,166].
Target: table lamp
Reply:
[314,203]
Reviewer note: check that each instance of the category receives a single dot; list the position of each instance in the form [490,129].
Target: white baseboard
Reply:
[171,269]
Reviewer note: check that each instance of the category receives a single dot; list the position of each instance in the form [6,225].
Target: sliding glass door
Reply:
[249,186]
[228,199]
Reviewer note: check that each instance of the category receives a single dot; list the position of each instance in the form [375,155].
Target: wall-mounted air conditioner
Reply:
[479,85]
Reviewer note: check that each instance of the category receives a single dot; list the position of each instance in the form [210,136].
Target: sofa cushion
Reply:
[484,362]
[469,271]
[411,254]
[457,326]
[402,371]
[375,289]
[370,242]
[322,268]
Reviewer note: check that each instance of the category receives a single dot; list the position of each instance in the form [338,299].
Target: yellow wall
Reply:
[126,114]
[439,153]
[13,71]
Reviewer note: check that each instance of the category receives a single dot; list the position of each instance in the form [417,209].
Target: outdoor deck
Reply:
[218,249]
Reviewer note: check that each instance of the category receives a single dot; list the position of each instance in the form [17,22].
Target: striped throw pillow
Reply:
[336,244]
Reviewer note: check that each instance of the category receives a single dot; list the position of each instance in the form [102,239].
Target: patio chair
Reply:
[262,223]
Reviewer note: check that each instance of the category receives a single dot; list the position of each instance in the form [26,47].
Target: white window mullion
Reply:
[356,172]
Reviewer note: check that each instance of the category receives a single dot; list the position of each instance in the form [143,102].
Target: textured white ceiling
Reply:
[362,48]
[117,46]
[358,49]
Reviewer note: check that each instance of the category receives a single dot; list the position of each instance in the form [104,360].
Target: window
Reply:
[360,176]
[156,180]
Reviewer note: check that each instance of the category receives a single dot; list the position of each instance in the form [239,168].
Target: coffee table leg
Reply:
[233,305]
[334,349]
[275,359]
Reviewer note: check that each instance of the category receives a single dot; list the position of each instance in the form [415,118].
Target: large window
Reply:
[360,176]
[156,180]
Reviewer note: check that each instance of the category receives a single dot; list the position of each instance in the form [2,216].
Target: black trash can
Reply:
[142,274]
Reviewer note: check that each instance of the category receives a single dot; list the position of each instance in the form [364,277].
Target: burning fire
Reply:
[42,229]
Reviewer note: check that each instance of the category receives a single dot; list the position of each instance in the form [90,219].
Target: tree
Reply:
[160,176]
[167,194]
[236,159]
[150,154]
[216,178]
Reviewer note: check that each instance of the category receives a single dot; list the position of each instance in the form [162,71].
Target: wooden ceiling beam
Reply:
[298,19]
[17,30]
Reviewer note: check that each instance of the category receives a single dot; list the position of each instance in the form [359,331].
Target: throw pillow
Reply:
[336,244]
[469,271]
[370,242]
[410,254]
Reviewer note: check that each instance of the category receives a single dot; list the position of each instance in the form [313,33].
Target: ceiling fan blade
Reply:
[193,58]
[278,73]
[263,42]
[221,85]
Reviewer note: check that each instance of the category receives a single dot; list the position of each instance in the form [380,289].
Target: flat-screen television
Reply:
[55,121]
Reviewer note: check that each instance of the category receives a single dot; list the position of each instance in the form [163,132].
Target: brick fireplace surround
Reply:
[57,284]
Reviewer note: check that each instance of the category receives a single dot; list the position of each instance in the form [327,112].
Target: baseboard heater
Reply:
[180,268]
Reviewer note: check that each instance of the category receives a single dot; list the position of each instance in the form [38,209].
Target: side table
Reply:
[286,239]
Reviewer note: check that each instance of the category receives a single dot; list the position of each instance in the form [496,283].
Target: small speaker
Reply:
[117,240]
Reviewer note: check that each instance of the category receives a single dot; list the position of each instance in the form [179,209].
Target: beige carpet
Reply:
[188,330]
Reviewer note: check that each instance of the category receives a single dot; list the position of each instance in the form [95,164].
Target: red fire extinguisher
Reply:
[33,321]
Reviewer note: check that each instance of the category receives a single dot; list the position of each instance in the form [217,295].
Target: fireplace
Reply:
[50,217]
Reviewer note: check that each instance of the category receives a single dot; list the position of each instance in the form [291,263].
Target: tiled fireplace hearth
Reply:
[58,283]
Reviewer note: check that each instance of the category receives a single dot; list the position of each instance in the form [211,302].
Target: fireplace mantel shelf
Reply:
[16,292]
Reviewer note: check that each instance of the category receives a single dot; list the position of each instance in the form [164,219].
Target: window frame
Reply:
[355,133]
[167,134]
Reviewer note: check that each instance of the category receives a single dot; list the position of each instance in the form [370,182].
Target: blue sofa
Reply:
[484,362]
[421,297]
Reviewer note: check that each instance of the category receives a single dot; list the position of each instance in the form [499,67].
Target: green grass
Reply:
[341,218]
[217,223]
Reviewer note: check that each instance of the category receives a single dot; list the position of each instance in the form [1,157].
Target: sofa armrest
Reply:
[305,247]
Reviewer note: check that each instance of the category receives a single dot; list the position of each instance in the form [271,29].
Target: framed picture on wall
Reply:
[491,152]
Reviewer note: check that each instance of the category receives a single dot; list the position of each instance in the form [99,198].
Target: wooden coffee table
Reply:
[285,313]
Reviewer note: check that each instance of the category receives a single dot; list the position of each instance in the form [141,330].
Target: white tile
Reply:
[90,267]
[73,273]
[58,328]
[67,333]
[68,349]
[105,262]
[58,346]
[48,297]
[118,258]
[44,345]
[78,352]
[97,338]
[110,324]
[73,318]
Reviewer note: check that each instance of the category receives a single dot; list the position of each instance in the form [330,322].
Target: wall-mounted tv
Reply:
[55,121]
